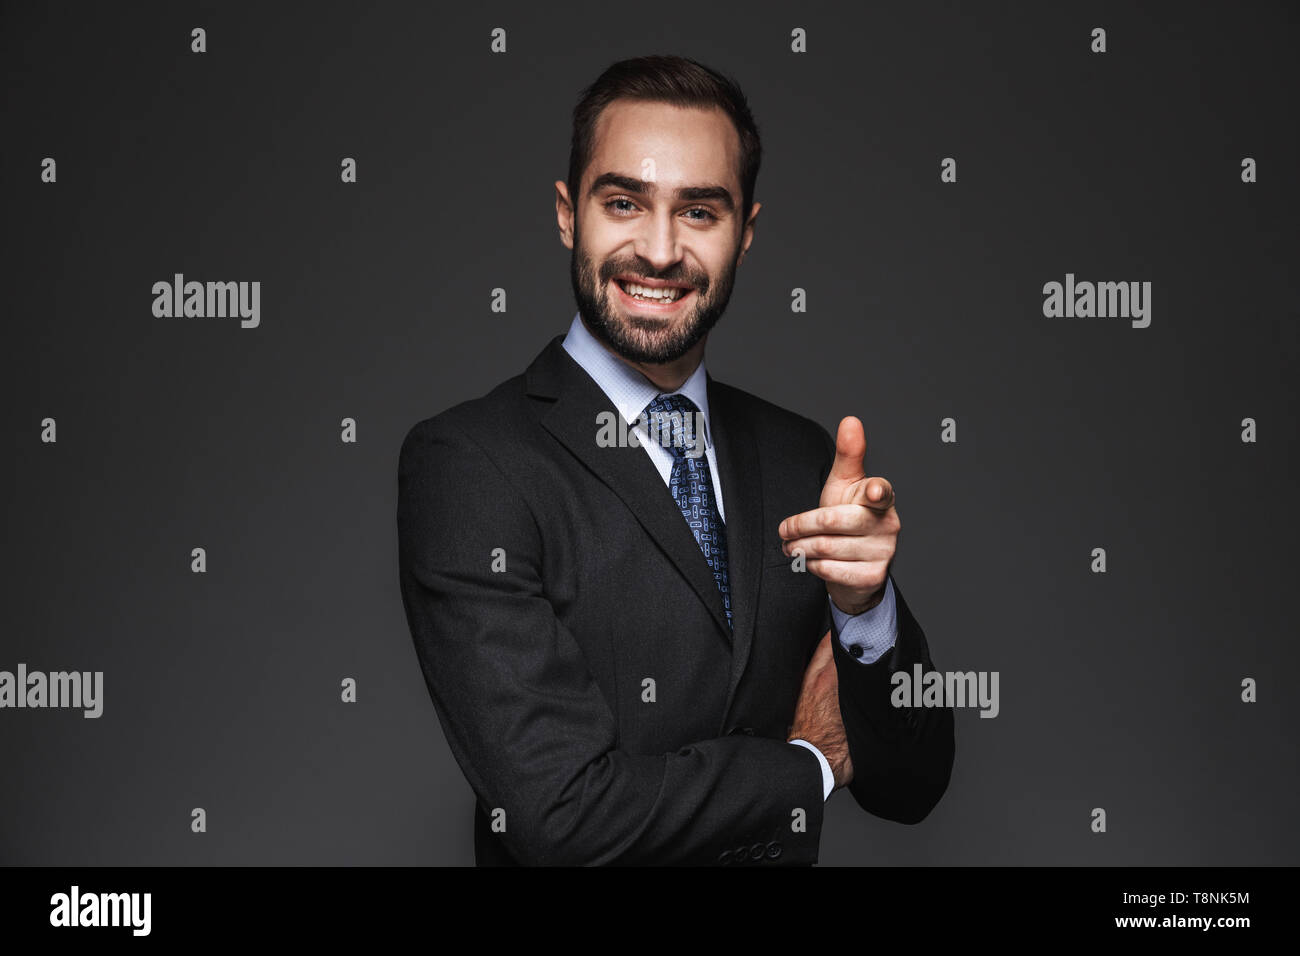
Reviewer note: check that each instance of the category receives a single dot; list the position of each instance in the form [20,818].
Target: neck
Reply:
[666,376]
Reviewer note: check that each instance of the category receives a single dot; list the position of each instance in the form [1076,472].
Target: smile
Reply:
[661,299]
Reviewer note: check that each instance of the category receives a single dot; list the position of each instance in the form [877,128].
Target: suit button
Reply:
[756,851]
[740,853]
[773,850]
[724,857]
[735,731]
[855,650]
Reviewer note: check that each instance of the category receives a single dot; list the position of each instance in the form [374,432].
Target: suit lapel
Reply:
[742,495]
[571,417]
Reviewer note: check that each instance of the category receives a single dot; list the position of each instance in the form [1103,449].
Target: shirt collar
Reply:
[628,389]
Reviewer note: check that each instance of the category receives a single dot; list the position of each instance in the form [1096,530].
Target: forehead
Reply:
[686,144]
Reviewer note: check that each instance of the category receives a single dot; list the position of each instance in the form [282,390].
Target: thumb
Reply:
[850,449]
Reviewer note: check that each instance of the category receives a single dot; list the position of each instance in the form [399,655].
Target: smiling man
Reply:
[669,650]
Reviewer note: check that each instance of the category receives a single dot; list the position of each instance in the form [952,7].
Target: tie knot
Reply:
[674,421]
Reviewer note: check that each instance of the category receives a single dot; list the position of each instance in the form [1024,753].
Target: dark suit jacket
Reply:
[538,672]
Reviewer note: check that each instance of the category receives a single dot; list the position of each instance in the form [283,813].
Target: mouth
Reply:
[658,298]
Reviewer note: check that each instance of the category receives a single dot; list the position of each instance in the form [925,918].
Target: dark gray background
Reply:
[222,690]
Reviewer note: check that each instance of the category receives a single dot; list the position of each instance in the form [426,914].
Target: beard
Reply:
[637,338]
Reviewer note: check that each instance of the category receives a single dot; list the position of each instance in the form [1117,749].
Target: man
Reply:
[663,637]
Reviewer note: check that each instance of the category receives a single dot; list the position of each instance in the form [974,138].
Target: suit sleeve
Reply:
[524,717]
[902,756]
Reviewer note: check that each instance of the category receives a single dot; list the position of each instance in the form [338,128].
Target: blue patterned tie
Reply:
[671,421]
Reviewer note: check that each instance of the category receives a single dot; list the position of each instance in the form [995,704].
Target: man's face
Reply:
[666,210]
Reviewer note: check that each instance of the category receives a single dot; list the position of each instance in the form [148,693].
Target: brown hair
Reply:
[665,79]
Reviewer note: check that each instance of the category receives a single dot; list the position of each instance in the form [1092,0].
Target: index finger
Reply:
[830,519]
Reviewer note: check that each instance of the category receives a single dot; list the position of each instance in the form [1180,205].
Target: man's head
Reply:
[662,168]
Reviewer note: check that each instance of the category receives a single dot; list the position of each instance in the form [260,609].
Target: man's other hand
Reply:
[817,713]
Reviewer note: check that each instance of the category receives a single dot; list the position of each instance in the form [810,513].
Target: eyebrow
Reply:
[642,187]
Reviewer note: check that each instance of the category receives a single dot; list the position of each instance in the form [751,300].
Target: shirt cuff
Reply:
[867,636]
[828,778]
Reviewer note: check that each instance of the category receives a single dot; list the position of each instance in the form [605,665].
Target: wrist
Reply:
[853,610]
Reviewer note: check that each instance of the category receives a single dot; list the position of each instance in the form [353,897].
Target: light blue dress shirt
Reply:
[872,632]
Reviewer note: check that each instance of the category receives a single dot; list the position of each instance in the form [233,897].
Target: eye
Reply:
[624,211]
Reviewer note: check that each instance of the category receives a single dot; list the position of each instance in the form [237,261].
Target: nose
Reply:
[658,243]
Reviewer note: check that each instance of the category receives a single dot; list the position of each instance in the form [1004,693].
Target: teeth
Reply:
[653,295]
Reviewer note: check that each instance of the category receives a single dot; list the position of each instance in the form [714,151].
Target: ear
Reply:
[748,236]
[564,213]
